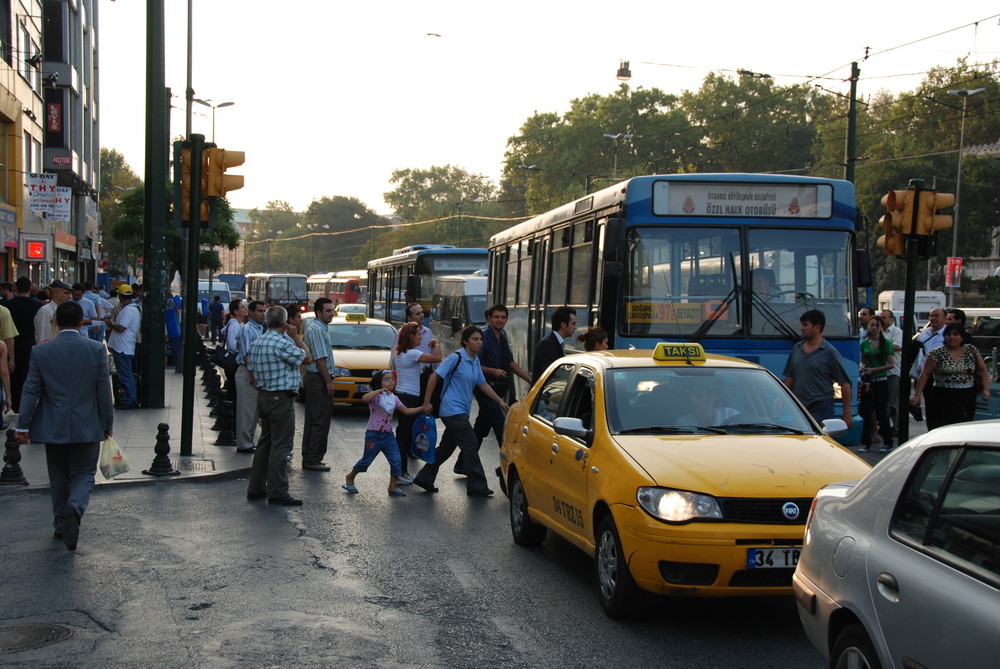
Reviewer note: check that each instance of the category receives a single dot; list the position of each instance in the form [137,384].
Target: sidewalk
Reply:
[135,432]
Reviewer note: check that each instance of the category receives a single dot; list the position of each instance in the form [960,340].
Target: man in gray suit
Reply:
[71,413]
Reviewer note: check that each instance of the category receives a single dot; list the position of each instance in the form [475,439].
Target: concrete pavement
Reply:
[135,431]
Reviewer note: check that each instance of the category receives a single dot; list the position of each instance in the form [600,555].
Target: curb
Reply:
[193,477]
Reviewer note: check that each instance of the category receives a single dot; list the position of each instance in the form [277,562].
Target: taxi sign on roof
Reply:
[357,318]
[671,351]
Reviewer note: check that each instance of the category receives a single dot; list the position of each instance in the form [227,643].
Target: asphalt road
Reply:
[187,574]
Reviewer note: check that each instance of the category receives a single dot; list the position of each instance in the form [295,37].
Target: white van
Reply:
[923,302]
[220,288]
[458,301]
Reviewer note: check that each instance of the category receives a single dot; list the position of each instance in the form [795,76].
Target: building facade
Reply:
[48,131]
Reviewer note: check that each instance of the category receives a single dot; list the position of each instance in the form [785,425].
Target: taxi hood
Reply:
[743,465]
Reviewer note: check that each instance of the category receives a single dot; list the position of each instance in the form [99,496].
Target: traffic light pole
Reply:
[191,335]
[912,241]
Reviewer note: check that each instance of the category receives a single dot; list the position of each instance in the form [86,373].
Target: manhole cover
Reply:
[196,465]
[15,638]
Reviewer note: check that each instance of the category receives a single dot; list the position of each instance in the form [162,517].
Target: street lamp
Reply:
[965,95]
[624,74]
[208,103]
[527,182]
[458,205]
[615,138]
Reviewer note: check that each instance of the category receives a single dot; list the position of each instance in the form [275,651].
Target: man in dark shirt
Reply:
[497,363]
[550,347]
[23,308]
[215,315]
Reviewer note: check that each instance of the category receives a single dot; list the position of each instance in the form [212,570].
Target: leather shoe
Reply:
[246,450]
[317,468]
[424,486]
[287,500]
[485,492]
[256,495]
[71,531]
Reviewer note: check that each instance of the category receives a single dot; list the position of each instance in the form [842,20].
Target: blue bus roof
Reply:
[638,190]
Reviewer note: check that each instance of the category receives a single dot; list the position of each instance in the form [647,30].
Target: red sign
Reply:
[953,273]
[62,161]
[36,250]
[53,117]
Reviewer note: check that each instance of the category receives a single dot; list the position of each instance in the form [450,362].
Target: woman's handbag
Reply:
[113,461]
[424,438]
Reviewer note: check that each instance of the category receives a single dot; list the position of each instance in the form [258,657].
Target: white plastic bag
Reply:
[113,461]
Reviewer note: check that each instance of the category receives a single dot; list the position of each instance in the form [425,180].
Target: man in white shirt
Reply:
[124,332]
[59,292]
[930,338]
[89,310]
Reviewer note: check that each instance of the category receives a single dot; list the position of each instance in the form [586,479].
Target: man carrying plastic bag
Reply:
[71,413]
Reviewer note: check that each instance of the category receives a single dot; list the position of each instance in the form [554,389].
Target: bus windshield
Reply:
[288,289]
[690,281]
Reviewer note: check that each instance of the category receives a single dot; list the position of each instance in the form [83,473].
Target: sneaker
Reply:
[863,449]
[885,449]
[404,480]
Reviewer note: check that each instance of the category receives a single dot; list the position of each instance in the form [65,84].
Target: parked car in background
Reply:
[902,569]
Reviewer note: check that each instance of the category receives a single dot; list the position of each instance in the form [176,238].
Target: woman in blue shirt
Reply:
[460,373]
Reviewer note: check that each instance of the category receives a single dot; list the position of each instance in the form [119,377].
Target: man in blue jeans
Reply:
[124,332]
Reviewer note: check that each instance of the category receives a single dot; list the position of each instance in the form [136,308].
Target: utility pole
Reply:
[190,337]
[850,147]
[151,362]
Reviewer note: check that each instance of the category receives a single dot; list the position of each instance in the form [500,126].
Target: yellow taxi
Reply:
[681,473]
[361,347]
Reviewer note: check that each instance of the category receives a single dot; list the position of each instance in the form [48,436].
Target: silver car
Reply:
[902,569]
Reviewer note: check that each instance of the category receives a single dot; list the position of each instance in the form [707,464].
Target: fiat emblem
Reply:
[790,510]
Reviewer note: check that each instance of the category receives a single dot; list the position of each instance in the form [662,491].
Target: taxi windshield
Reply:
[693,400]
[368,336]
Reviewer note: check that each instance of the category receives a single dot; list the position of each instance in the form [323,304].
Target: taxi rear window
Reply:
[670,397]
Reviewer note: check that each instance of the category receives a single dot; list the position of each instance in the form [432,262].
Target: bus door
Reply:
[538,321]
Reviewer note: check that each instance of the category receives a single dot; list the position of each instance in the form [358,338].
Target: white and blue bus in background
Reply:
[730,261]
[408,276]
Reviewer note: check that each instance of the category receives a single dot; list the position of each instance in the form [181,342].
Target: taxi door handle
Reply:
[555,448]
[524,430]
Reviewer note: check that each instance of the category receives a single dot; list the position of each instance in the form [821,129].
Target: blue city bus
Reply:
[727,260]
[409,274]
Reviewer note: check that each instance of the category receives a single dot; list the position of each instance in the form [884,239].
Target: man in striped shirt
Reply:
[274,362]
[246,393]
[317,385]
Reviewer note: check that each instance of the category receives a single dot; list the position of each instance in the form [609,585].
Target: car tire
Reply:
[616,590]
[854,649]
[525,531]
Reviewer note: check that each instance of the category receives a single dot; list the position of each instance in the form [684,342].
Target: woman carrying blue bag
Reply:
[460,374]
[408,362]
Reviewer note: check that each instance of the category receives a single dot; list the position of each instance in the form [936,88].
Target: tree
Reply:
[262,251]
[118,180]
[127,232]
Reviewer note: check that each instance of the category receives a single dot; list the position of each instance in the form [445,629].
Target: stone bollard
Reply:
[12,474]
[161,462]
[227,424]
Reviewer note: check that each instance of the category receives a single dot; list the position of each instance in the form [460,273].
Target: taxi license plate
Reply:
[785,557]
[363,388]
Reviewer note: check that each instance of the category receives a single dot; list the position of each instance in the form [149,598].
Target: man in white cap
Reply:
[60,292]
[124,331]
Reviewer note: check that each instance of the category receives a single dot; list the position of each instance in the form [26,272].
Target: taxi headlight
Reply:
[678,506]
[340,371]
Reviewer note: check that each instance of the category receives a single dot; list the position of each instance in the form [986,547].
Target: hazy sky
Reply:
[332,96]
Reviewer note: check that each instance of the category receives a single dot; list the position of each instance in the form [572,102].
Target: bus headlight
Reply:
[678,506]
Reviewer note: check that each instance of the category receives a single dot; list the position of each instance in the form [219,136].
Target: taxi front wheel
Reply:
[617,591]
[525,531]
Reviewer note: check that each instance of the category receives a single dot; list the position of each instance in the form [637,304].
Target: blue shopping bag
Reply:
[424,438]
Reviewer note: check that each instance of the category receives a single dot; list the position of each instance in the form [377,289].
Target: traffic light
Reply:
[892,242]
[186,185]
[928,220]
[219,183]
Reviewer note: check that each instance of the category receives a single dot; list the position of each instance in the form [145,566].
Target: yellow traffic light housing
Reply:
[186,185]
[219,183]
[929,220]
[892,242]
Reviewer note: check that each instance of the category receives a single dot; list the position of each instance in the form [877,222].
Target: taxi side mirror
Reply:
[834,426]
[573,427]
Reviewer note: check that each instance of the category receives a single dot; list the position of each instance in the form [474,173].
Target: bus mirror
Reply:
[456,323]
[862,268]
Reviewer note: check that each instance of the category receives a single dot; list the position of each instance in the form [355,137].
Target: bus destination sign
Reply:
[742,200]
